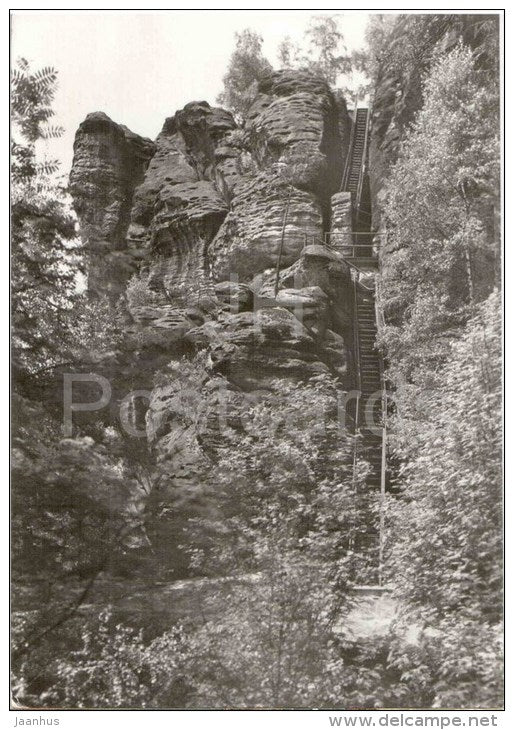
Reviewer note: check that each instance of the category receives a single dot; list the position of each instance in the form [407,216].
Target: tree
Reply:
[443,345]
[441,196]
[32,94]
[446,530]
[400,50]
[285,514]
[326,55]
[52,319]
[72,510]
[247,66]
[43,274]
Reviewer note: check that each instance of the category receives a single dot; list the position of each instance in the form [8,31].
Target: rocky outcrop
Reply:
[179,198]
[293,134]
[269,220]
[213,214]
[341,223]
[295,120]
[109,162]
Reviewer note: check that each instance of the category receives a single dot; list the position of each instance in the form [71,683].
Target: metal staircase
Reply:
[355,167]
[359,249]
[362,256]
[369,370]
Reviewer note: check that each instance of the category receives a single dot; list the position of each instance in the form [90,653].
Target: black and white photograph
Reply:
[256,270]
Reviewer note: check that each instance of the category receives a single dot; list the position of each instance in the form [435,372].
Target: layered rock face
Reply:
[224,226]
[293,136]
[109,163]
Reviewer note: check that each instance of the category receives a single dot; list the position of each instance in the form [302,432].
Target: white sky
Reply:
[139,68]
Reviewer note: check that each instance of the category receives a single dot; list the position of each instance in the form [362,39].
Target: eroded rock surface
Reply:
[109,163]
[209,216]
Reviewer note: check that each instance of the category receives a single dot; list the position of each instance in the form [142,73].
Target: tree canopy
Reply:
[246,67]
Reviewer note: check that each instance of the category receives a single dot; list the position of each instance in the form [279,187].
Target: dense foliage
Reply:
[322,52]
[443,343]
[246,67]
[53,323]
[71,508]
[446,532]
[400,51]
[44,269]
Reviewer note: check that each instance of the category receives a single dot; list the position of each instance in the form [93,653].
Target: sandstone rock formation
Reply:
[342,218]
[209,216]
[109,163]
[293,135]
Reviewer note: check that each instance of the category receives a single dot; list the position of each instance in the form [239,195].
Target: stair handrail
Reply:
[323,242]
[350,151]
[378,305]
[356,343]
[383,463]
[360,271]
[363,163]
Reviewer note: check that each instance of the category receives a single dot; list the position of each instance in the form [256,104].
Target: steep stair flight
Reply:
[370,442]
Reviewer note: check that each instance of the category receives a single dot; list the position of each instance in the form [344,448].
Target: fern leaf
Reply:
[48,167]
[45,77]
[51,131]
